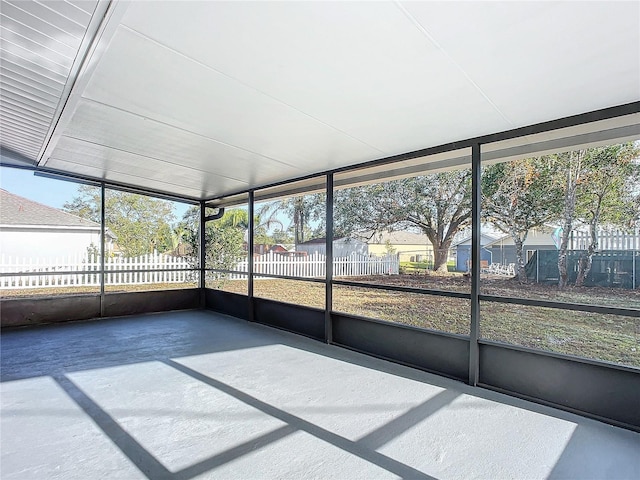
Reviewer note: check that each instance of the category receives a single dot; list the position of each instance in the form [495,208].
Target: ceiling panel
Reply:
[121,162]
[144,78]
[9,72]
[51,51]
[375,76]
[135,134]
[538,61]
[33,70]
[127,180]
[12,84]
[81,5]
[39,45]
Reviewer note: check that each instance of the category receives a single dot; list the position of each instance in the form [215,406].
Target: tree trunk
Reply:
[522,273]
[441,244]
[299,221]
[440,256]
[563,279]
[584,267]
[571,185]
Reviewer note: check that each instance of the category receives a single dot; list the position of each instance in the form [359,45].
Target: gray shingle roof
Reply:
[16,210]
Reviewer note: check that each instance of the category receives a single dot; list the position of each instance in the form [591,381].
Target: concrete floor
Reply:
[199,395]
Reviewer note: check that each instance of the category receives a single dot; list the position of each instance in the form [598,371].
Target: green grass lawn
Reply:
[422,267]
[611,338]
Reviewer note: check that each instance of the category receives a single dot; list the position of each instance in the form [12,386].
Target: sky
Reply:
[43,190]
[47,191]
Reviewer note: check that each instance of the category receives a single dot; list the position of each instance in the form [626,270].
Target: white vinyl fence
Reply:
[84,271]
[607,240]
[314,265]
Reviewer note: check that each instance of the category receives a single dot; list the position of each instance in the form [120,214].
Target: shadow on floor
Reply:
[59,350]
[56,349]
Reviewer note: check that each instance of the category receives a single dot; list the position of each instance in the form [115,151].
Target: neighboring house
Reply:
[503,249]
[30,229]
[342,247]
[280,249]
[259,248]
[410,246]
[462,250]
[263,248]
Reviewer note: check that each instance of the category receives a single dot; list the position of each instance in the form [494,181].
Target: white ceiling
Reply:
[39,44]
[204,99]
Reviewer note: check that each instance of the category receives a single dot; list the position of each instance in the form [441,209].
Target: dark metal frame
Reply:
[328,299]
[477,347]
[477,352]
[250,248]
[400,288]
[265,275]
[436,352]
[476,194]
[103,232]
[102,271]
[580,307]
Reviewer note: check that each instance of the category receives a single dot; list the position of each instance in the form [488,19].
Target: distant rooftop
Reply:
[17,210]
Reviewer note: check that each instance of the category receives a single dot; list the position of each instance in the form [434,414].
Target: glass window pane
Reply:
[298,292]
[445,314]
[401,224]
[612,338]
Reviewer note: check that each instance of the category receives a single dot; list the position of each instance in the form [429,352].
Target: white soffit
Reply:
[204,99]
[41,48]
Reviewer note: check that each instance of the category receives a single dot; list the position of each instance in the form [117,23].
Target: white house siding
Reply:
[50,243]
[535,238]
[341,248]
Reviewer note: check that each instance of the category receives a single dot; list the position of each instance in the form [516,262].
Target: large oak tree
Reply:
[438,204]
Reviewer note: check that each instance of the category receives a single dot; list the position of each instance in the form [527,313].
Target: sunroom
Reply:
[240,159]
